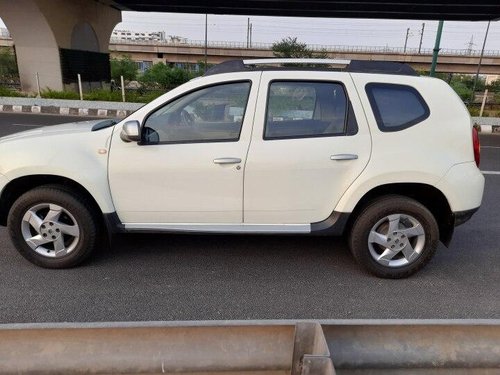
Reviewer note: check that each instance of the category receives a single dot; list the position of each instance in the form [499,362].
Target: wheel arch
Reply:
[17,187]
[431,197]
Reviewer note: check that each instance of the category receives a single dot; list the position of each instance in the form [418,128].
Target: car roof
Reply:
[352,66]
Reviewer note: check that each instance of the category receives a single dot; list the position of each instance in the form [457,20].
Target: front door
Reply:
[189,165]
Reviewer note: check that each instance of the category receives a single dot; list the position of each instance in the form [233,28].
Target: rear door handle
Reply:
[227,161]
[344,157]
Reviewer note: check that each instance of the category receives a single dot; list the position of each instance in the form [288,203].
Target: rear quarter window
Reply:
[396,107]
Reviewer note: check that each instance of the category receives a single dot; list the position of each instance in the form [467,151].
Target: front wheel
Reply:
[52,227]
[394,237]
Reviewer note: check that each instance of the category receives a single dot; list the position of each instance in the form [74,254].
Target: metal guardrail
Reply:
[253,347]
[314,47]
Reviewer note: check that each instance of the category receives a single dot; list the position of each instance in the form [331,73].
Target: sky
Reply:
[321,31]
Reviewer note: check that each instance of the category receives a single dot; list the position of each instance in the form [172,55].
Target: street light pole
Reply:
[406,40]
[248,32]
[421,38]
[436,49]
[206,41]
[480,62]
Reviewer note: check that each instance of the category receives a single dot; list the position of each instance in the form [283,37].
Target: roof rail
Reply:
[352,66]
[296,61]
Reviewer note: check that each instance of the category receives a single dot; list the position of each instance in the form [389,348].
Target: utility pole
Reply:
[480,61]
[470,45]
[436,48]
[248,32]
[421,38]
[206,40]
[406,40]
[251,29]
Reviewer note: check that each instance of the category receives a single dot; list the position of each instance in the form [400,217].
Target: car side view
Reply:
[369,150]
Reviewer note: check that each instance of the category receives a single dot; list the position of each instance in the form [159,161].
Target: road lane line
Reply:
[490,146]
[490,172]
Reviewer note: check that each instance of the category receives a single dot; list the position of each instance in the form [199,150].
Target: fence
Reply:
[314,47]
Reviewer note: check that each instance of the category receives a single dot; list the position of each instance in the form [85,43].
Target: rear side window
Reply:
[396,107]
[306,109]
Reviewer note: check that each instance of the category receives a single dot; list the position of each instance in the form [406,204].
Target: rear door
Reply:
[310,141]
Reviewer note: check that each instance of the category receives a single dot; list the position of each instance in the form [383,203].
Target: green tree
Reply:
[291,48]
[8,65]
[462,90]
[463,84]
[165,77]
[125,67]
[495,86]
[497,99]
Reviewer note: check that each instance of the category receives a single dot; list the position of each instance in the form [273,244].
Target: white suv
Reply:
[366,149]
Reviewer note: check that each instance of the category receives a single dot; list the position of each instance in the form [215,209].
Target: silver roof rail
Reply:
[296,61]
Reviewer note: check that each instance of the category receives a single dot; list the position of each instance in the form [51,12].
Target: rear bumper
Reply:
[461,217]
[463,187]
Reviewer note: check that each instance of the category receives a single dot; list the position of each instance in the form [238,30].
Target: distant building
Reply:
[491,77]
[176,39]
[4,33]
[157,36]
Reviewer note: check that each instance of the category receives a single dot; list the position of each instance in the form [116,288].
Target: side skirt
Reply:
[334,225]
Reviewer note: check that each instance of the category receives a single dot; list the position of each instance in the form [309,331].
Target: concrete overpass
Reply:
[58,38]
[55,37]
[450,61]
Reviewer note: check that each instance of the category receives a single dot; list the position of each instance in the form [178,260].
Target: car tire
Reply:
[394,237]
[53,227]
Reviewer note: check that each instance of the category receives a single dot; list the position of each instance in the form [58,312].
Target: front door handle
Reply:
[344,157]
[227,161]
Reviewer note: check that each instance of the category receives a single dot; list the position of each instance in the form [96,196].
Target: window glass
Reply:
[305,109]
[396,107]
[211,114]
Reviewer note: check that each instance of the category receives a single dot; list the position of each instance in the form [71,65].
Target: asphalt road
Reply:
[188,277]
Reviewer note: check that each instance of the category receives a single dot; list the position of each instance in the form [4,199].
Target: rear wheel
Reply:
[394,237]
[52,227]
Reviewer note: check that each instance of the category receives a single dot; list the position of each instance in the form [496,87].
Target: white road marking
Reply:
[490,146]
[490,172]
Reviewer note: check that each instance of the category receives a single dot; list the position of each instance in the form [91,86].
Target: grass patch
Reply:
[7,91]
[53,94]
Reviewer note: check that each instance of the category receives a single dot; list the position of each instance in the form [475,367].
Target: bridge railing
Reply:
[253,347]
[314,47]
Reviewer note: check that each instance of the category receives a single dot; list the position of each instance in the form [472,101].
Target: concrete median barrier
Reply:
[253,347]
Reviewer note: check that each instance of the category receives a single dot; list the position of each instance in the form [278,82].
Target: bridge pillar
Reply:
[58,39]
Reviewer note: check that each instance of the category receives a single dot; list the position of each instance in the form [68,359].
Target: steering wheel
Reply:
[186,118]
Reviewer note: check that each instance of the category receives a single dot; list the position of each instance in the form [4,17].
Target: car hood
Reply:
[68,128]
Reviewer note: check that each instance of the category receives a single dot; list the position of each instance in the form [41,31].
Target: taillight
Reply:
[477,146]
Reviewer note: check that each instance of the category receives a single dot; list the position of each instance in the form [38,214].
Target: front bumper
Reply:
[461,217]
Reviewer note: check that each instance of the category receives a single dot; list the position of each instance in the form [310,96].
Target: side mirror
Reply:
[131,131]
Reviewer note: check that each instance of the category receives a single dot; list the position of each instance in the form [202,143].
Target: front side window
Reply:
[396,107]
[213,114]
[305,109]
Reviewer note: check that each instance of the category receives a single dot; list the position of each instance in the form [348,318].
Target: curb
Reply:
[488,125]
[490,129]
[65,111]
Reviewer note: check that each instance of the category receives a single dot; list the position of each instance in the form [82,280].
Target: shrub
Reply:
[103,95]
[125,67]
[6,91]
[474,111]
[54,94]
[165,77]
[8,65]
